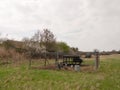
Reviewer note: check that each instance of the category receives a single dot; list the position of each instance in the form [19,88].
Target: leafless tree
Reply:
[48,40]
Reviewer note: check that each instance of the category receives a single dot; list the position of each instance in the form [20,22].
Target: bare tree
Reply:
[48,40]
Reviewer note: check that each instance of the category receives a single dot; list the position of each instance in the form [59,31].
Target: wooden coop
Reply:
[69,60]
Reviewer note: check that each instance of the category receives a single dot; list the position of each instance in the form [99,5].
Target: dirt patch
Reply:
[87,68]
[68,68]
[48,67]
[4,63]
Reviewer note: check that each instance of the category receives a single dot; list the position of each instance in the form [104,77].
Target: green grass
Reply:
[107,77]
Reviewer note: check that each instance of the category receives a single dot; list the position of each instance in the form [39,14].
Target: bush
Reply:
[7,55]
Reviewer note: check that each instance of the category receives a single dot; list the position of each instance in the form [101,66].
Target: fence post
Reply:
[56,59]
[97,62]
[30,62]
[45,58]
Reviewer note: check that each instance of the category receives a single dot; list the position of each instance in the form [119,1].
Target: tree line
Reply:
[43,41]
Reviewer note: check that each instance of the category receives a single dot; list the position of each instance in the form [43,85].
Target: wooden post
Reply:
[56,59]
[96,59]
[45,58]
[30,62]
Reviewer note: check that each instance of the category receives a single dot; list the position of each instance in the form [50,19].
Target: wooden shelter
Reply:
[69,60]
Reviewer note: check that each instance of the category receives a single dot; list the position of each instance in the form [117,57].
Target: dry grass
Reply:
[10,56]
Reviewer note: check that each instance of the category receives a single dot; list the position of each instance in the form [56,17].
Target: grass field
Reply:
[107,77]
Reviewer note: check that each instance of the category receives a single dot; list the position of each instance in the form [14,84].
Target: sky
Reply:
[86,24]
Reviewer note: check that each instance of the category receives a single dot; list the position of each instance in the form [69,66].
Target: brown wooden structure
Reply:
[69,60]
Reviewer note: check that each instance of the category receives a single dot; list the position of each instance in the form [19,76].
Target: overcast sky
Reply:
[86,24]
